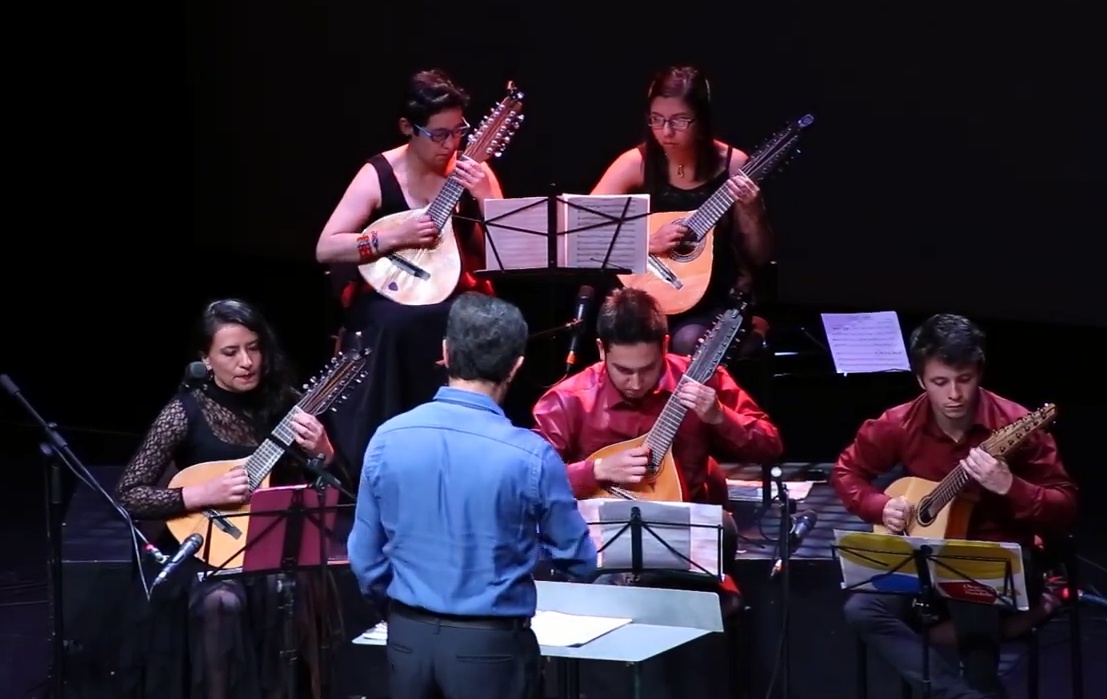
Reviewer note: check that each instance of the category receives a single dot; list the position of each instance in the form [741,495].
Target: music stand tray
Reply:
[661,620]
[977,572]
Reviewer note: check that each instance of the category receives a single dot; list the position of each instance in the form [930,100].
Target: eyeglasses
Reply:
[656,121]
[440,135]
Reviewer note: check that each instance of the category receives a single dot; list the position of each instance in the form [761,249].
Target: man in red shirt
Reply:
[1026,493]
[621,396]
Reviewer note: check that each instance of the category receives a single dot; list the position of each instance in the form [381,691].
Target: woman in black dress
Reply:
[218,639]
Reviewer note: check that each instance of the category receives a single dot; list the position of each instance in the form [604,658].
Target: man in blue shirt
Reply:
[455,507]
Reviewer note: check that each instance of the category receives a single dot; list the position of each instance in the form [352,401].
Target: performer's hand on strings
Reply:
[896,513]
[667,237]
[625,467]
[990,472]
[701,400]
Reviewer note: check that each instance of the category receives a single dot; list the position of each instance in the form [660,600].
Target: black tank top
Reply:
[728,270]
[393,201]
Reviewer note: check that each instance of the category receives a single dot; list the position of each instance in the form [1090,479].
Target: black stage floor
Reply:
[97,567]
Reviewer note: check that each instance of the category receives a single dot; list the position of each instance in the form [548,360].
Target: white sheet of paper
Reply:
[566,630]
[750,491]
[550,628]
[516,233]
[863,343]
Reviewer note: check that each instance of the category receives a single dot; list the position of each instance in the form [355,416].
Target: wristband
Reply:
[365,248]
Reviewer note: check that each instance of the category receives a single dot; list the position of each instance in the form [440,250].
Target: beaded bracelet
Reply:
[365,247]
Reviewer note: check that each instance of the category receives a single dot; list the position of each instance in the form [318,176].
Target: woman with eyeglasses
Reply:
[680,164]
[406,339]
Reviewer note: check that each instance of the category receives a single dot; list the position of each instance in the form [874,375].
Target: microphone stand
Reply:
[784,543]
[554,330]
[323,479]
[56,452]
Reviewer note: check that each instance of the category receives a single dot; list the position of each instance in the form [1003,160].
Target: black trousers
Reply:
[436,657]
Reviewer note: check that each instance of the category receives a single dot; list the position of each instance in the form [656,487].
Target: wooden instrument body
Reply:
[665,484]
[442,262]
[221,549]
[951,522]
[690,262]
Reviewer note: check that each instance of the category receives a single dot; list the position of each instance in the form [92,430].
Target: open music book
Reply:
[587,228]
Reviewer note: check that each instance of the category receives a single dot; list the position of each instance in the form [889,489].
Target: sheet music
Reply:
[567,630]
[550,628]
[606,518]
[600,218]
[970,571]
[750,491]
[516,233]
[866,342]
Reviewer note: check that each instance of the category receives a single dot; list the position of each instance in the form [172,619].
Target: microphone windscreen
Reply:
[195,372]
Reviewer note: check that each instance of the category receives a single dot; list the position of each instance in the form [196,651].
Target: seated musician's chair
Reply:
[1059,559]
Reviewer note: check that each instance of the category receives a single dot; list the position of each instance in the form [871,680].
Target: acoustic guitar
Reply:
[679,278]
[938,509]
[663,481]
[225,537]
[423,276]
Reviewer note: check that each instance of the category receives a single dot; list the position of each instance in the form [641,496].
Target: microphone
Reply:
[195,373]
[584,302]
[190,546]
[800,529]
[316,467]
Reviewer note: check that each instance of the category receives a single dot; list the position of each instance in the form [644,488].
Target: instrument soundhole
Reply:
[923,515]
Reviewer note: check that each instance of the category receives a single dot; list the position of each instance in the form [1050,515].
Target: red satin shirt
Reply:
[1042,496]
[585,413]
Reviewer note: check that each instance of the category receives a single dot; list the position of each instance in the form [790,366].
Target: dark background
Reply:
[950,168]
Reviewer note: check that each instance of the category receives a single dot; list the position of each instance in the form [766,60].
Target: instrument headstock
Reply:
[779,148]
[718,342]
[1010,436]
[496,129]
[330,386]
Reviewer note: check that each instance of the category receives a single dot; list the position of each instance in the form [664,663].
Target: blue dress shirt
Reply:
[455,507]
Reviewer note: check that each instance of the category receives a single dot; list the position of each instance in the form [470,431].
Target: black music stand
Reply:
[890,556]
[628,521]
[291,529]
[604,272]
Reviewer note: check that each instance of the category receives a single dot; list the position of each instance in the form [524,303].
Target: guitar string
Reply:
[445,202]
[1014,434]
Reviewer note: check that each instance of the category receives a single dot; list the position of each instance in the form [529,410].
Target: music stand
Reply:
[978,572]
[552,232]
[290,529]
[672,538]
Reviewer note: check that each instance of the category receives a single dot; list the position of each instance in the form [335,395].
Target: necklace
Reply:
[680,171]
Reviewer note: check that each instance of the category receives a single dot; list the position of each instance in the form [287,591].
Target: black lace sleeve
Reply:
[138,487]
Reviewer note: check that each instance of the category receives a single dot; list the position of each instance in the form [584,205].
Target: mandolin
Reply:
[663,481]
[937,508]
[225,537]
[679,278]
[424,276]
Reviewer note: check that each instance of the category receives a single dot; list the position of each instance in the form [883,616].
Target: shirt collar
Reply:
[468,399]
